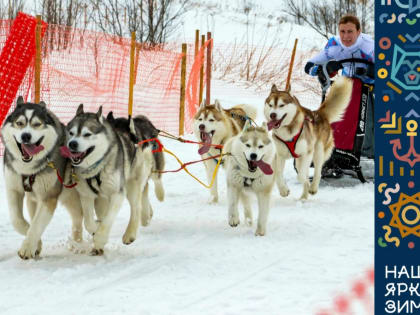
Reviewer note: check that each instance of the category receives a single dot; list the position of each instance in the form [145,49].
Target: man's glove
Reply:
[333,66]
[321,76]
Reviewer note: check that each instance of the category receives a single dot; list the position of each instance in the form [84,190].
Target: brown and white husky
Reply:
[215,125]
[304,134]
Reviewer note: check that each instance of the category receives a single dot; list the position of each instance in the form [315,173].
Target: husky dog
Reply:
[304,134]
[32,136]
[215,125]
[108,165]
[144,129]
[250,164]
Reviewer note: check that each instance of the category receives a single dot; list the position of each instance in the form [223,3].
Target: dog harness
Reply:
[98,181]
[291,145]
[27,182]
[248,181]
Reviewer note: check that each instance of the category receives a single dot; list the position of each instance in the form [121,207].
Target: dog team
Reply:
[93,162]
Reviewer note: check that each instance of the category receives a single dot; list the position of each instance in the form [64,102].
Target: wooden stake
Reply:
[197,42]
[182,97]
[289,75]
[38,59]
[131,86]
[208,69]
[200,94]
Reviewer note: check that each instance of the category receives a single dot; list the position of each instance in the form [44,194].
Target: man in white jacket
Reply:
[350,44]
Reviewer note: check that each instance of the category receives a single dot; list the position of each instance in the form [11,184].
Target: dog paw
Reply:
[128,238]
[313,190]
[214,199]
[78,247]
[234,221]
[304,197]
[28,250]
[260,232]
[145,218]
[284,191]
[91,227]
[97,252]
[248,221]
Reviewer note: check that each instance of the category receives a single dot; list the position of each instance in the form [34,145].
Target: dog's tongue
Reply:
[205,136]
[65,151]
[264,167]
[272,124]
[31,149]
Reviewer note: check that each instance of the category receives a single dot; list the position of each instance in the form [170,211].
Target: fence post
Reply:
[182,94]
[197,44]
[38,31]
[200,95]
[208,69]
[131,86]
[289,75]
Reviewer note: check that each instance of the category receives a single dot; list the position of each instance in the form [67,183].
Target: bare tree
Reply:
[323,16]
[10,8]
[152,20]
[63,16]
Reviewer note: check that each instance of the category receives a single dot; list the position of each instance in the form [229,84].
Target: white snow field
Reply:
[190,261]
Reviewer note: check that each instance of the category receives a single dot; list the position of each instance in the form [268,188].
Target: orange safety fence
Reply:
[89,67]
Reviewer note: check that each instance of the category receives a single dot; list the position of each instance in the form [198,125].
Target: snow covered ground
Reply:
[190,261]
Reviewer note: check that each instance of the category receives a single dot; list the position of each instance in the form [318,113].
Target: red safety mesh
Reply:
[16,55]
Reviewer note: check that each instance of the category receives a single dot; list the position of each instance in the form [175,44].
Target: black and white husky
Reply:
[250,168]
[108,166]
[32,136]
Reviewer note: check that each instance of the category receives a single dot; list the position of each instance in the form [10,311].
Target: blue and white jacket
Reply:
[363,48]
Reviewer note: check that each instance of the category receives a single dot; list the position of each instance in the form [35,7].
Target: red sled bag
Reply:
[349,133]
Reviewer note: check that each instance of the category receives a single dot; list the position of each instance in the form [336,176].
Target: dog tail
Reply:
[250,111]
[337,100]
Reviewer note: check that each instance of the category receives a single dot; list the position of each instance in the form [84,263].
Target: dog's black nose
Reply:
[26,137]
[202,127]
[253,156]
[73,145]
[273,116]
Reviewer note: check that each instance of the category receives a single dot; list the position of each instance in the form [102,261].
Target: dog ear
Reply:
[110,117]
[99,115]
[131,125]
[203,103]
[217,105]
[42,104]
[274,88]
[20,100]
[79,110]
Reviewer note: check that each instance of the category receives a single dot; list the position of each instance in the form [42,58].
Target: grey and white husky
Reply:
[32,136]
[250,167]
[108,165]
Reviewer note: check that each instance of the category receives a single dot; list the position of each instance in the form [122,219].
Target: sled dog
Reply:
[108,165]
[144,129]
[250,168]
[215,125]
[32,136]
[304,134]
